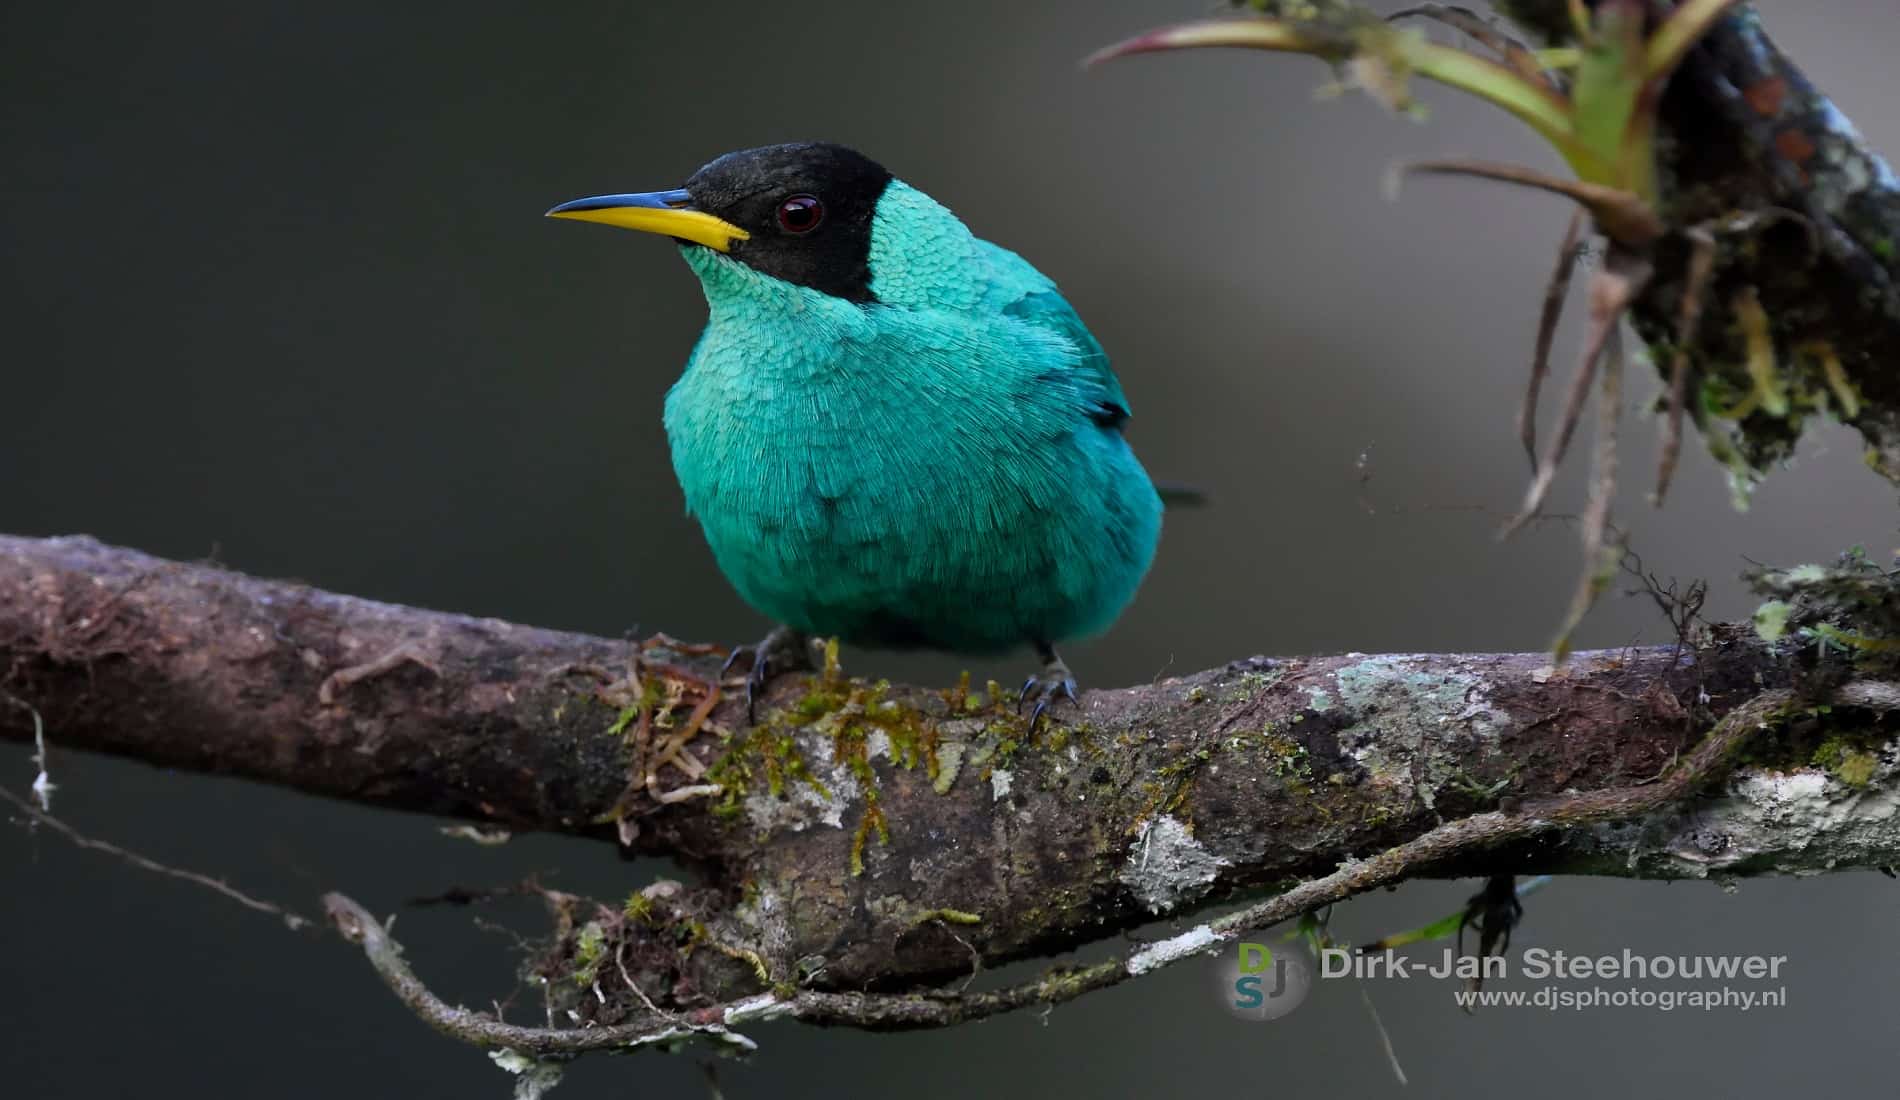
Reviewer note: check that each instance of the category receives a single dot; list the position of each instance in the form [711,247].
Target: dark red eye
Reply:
[800,214]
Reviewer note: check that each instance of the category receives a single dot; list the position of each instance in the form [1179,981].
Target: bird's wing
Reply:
[1028,295]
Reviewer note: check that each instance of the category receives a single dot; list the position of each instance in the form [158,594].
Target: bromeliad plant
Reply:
[1597,104]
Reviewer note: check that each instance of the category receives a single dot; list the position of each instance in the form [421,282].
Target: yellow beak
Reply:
[668,213]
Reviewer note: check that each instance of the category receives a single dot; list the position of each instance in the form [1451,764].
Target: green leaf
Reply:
[1608,85]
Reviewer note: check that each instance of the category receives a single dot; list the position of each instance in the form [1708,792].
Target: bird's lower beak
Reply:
[669,213]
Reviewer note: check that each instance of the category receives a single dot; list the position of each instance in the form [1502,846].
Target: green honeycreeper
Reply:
[892,431]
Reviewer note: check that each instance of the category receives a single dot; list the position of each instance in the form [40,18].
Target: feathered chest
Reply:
[778,413]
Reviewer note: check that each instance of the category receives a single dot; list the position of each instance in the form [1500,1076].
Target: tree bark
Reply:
[861,836]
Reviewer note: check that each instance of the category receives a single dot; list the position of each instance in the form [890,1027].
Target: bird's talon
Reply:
[1053,683]
[755,681]
[1023,695]
[1494,911]
[782,650]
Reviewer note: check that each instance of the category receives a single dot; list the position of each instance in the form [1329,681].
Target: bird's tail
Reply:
[1179,494]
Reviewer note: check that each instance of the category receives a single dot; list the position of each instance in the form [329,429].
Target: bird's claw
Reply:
[783,650]
[1052,684]
[1494,911]
[756,678]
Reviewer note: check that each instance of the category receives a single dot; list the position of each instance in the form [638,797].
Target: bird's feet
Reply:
[783,650]
[1493,911]
[1054,682]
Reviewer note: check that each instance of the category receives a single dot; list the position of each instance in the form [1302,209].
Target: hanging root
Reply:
[1695,285]
[1838,383]
[1631,227]
[1770,393]
[1554,295]
[1611,291]
[1566,427]
[1599,562]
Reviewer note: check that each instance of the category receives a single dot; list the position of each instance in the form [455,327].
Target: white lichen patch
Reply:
[765,921]
[762,1007]
[1167,867]
[799,804]
[1000,779]
[511,1060]
[1157,955]
[1396,699]
[676,1037]
[1802,820]
[1851,167]
[1411,685]
[533,1079]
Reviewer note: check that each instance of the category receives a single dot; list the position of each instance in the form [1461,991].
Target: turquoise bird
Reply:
[891,431]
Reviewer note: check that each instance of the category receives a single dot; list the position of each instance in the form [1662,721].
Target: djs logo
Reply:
[1257,984]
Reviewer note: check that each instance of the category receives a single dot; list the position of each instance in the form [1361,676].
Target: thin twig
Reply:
[39,816]
[357,925]
[1385,1037]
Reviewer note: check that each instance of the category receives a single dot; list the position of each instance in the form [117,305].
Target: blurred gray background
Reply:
[277,289]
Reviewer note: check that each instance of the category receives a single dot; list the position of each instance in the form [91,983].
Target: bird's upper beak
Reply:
[669,213]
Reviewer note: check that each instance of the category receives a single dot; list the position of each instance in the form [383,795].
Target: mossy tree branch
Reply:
[865,837]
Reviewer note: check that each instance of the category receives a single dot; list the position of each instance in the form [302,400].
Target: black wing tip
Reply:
[1108,414]
[1179,494]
